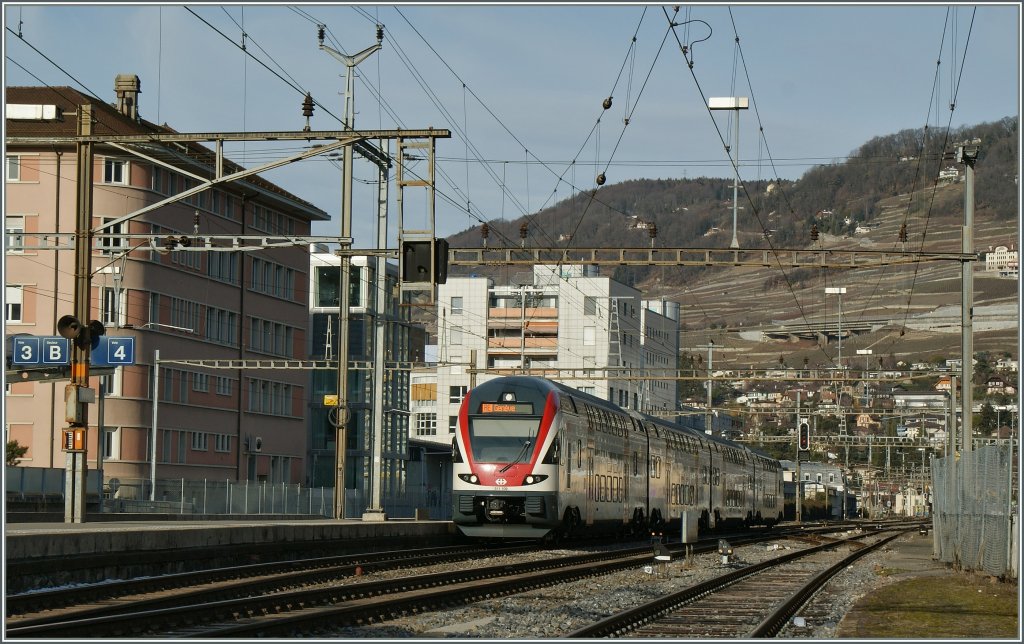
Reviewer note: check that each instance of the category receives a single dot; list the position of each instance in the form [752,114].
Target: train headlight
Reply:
[534,478]
[470,478]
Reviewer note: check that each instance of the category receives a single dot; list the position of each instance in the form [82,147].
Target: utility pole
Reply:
[967,154]
[375,512]
[344,415]
[76,393]
[710,346]
[799,481]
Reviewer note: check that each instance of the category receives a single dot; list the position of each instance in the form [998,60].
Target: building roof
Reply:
[107,120]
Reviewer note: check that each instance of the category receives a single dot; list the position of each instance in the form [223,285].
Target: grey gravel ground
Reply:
[558,610]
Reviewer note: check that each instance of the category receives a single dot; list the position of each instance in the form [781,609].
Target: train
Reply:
[536,459]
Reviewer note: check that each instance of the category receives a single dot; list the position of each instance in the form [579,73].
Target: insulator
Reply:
[195,219]
[903,232]
[380,33]
[600,179]
[814,232]
[307,105]
[170,242]
[524,230]
[485,230]
[320,33]
[607,103]
[652,231]
[185,241]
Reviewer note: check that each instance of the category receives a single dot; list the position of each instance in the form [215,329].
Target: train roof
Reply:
[544,384]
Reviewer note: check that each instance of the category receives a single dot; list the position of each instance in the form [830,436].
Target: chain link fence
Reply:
[975,505]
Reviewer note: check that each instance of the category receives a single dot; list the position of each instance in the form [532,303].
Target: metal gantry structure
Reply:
[84,241]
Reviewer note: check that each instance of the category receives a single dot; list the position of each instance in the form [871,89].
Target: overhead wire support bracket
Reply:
[660,256]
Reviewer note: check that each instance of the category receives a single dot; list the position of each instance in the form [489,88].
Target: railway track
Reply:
[751,602]
[271,599]
[181,589]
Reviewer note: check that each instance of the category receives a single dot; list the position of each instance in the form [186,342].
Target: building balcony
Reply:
[530,314]
[549,345]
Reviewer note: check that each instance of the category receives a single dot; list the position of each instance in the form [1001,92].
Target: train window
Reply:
[704,474]
[456,452]
[568,464]
[636,463]
[579,453]
[572,403]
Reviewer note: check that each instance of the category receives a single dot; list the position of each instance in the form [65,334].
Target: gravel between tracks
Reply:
[561,609]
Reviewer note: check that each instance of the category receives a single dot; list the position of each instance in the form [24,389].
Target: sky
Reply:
[522,87]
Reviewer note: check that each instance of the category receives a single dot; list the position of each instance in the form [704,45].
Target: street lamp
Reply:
[839,290]
[735,103]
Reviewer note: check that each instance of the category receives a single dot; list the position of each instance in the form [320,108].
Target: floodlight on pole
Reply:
[865,353]
[735,103]
[838,290]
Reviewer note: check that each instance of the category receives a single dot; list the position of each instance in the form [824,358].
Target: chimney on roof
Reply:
[127,89]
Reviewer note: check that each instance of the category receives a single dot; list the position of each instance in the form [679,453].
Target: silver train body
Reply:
[534,458]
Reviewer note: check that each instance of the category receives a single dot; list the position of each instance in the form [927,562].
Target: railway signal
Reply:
[425,261]
[804,437]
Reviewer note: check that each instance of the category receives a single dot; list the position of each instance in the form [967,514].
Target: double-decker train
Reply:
[533,458]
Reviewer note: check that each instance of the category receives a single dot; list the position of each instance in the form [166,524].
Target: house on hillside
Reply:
[1007,363]
[996,385]
[867,424]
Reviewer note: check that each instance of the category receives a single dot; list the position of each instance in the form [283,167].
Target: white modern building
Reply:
[550,321]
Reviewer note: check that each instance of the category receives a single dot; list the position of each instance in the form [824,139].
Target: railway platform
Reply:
[32,540]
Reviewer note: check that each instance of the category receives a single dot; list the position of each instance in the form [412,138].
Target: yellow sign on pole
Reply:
[330,400]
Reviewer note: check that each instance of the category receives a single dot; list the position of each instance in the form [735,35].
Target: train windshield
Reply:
[501,439]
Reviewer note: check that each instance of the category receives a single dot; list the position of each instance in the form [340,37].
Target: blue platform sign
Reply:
[56,350]
[113,352]
[40,350]
[25,351]
[51,350]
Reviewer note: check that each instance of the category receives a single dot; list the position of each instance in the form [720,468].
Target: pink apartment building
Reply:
[216,424]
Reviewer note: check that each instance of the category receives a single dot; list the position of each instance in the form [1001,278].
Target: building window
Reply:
[14,229]
[223,267]
[456,305]
[112,314]
[426,425]
[589,336]
[200,441]
[12,303]
[112,244]
[200,382]
[221,443]
[111,443]
[456,339]
[327,290]
[453,424]
[13,167]
[115,171]
[589,305]
[223,386]
[456,393]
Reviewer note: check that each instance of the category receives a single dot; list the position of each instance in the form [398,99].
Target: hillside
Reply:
[889,181]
